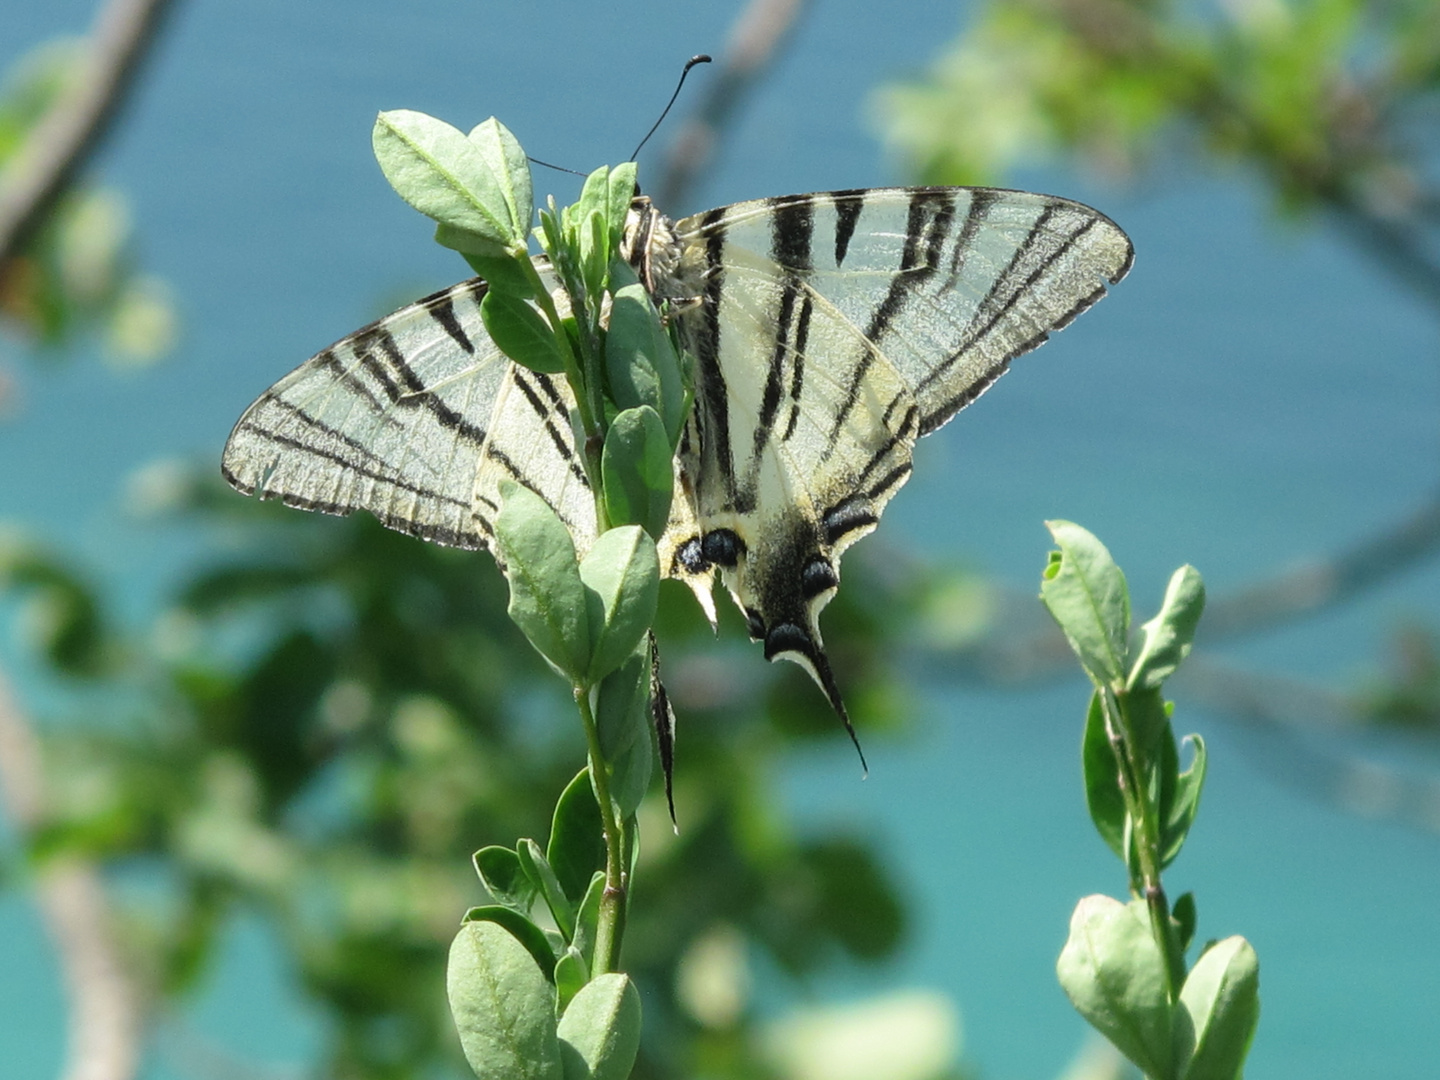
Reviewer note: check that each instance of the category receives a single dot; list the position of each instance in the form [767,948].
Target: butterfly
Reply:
[830,331]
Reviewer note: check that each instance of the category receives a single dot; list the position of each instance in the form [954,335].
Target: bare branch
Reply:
[105,1010]
[754,42]
[60,144]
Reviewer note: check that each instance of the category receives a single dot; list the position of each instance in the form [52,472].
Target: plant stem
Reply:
[1145,834]
[613,902]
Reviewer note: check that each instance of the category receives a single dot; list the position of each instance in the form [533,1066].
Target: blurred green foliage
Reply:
[331,717]
[78,275]
[1327,99]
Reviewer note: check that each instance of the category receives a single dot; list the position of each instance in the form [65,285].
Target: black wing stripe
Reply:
[347,378]
[932,213]
[1012,297]
[547,417]
[797,370]
[319,425]
[442,310]
[848,205]
[349,466]
[715,394]
[416,391]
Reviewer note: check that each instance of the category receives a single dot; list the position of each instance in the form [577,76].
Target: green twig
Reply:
[611,925]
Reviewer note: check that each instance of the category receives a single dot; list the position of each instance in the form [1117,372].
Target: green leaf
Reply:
[548,599]
[1114,974]
[587,917]
[1180,814]
[622,717]
[602,1025]
[502,268]
[571,974]
[521,332]
[1152,744]
[577,837]
[621,191]
[506,160]
[594,252]
[1102,779]
[1085,592]
[539,870]
[621,573]
[1166,638]
[593,198]
[1220,1007]
[638,470]
[503,1006]
[522,929]
[439,172]
[640,361]
[501,874]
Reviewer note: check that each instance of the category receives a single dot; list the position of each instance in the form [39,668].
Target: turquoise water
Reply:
[1251,396]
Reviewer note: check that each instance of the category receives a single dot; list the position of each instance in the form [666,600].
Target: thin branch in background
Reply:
[755,40]
[1283,713]
[1031,651]
[58,147]
[105,1014]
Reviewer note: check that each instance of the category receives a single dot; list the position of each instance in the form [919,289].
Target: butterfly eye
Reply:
[722,547]
[817,577]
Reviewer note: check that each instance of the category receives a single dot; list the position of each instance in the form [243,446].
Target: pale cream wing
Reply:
[831,330]
[418,419]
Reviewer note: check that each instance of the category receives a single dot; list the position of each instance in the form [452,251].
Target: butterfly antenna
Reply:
[557,168]
[700,59]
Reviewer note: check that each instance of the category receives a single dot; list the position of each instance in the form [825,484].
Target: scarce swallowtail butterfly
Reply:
[830,331]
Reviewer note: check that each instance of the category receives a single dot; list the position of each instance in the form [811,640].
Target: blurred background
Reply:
[245,752]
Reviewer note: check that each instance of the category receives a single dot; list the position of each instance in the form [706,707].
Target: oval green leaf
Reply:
[539,870]
[504,1008]
[523,930]
[1180,814]
[438,171]
[577,837]
[1086,593]
[640,360]
[521,332]
[548,599]
[602,1024]
[622,718]
[501,874]
[1220,1008]
[621,573]
[1102,779]
[1166,639]
[571,973]
[638,470]
[1114,974]
[503,269]
[506,159]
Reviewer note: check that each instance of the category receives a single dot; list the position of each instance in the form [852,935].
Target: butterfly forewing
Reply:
[417,418]
[949,284]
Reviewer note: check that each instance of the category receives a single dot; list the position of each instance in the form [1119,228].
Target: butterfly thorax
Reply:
[653,250]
